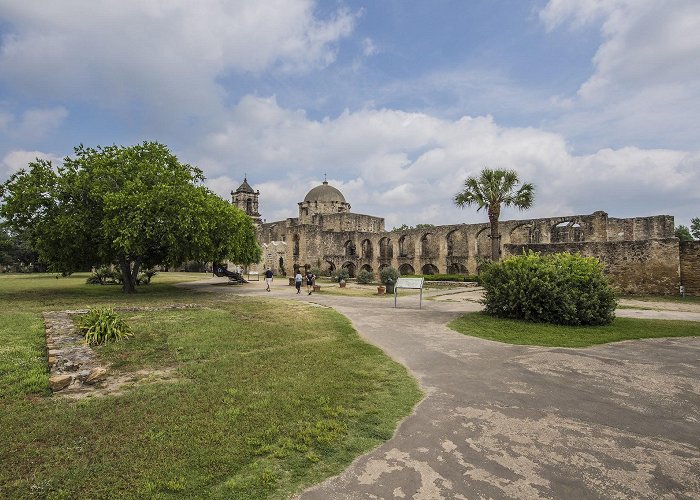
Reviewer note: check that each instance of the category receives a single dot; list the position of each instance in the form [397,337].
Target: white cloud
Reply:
[19,159]
[160,52]
[407,167]
[646,80]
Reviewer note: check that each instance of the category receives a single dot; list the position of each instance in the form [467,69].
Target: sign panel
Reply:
[409,283]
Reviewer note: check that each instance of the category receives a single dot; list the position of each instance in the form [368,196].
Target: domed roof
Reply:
[325,193]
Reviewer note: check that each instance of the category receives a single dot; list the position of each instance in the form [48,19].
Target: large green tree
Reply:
[134,207]
[695,227]
[683,233]
[491,190]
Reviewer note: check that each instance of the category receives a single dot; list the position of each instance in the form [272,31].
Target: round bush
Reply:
[388,273]
[341,275]
[561,288]
[364,276]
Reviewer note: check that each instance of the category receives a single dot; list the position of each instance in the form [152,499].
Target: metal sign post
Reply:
[413,283]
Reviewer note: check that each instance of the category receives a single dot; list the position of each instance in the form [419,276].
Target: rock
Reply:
[60,382]
[52,360]
[95,375]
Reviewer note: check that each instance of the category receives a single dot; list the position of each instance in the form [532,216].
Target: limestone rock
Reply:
[95,375]
[60,382]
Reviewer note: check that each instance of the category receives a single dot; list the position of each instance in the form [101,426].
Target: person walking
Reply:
[297,281]
[268,278]
[310,277]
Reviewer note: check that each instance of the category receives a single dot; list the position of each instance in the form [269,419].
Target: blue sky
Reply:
[397,101]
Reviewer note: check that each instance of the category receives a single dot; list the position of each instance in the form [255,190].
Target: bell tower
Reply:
[246,199]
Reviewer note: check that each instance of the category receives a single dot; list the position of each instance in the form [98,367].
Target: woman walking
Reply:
[297,281]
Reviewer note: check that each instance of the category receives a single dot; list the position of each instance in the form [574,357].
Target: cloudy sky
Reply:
[597,102]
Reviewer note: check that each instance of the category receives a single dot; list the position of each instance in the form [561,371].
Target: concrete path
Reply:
[501,421]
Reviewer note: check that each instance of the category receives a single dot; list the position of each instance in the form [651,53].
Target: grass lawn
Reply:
[509,331]
[265,398]
[675,299]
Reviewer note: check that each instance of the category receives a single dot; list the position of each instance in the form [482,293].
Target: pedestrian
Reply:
[310,277]
[298,280]
[268,278]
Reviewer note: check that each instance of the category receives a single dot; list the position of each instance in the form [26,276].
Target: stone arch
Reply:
[367,267]
[366,247]
[404,245]
[382,266]
[569,231]
[427,246]
[350,248]
[386,250]
[429,269]
[330,267]
[405,269]
[457,268]
[483,243]
[457,244]
[295,239]
[350,268]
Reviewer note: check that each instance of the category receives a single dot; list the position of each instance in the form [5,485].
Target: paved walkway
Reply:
[502,421]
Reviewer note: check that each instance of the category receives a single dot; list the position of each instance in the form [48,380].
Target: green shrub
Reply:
[144,277]
[388,273]
[364,276]
[104,275]
[560,288]
[100,326]
[340,275]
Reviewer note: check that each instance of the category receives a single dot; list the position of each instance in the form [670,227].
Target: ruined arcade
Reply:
[641,254]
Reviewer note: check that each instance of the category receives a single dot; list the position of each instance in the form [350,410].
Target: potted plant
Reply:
[341,276]
[388,276]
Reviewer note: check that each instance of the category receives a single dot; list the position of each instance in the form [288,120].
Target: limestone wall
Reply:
[637,267]
[690,266]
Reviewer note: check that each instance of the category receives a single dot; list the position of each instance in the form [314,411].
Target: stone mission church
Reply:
[641,254]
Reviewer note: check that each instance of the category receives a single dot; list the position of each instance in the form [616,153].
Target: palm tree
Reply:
[491,190]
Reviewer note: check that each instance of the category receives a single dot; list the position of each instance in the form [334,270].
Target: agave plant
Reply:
[100,326]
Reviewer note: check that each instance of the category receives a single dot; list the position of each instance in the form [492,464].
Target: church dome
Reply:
[325,193]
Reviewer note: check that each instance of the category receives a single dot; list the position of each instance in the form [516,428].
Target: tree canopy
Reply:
[492,190]
[134,207]
[695,227]
[683,233]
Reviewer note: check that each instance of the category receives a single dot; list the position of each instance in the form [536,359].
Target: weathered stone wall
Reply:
[690,266]
[637,267]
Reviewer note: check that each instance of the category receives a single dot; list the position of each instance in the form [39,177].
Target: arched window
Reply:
[425,245]
[386,250]
[429,269]
[406,269]
[366,249]
[403,246]
[295,239]
[349,249]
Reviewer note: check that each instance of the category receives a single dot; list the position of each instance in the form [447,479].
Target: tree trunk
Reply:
[130,270]
[495,235]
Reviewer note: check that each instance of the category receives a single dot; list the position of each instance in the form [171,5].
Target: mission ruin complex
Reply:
[641,255]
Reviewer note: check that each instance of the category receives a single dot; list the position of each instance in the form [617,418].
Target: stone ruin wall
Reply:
[636,267]
[641,254]
[690,266]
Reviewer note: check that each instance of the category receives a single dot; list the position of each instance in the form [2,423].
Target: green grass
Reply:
[542,334]
[265,398]
[675,299]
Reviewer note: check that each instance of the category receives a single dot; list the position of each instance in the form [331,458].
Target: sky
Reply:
[396,102]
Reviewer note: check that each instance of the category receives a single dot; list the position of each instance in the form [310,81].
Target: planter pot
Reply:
[390,288]
[342,284]
[317,288]
[381,290]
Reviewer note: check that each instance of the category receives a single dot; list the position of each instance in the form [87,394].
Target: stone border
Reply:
[74,366]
